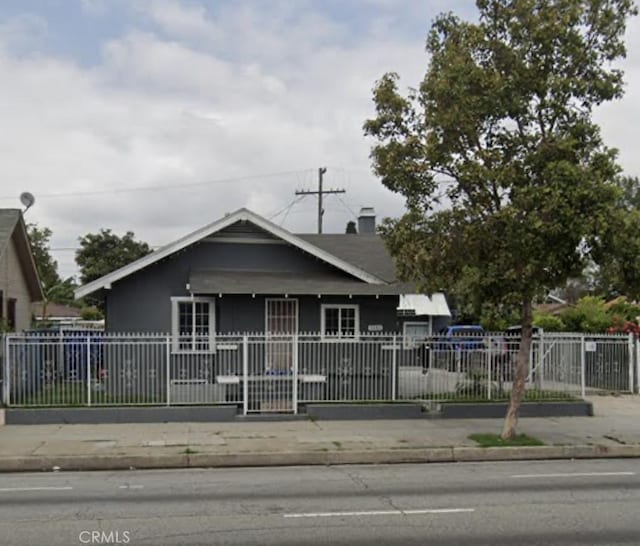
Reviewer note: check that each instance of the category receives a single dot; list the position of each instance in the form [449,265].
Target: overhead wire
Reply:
[165,186]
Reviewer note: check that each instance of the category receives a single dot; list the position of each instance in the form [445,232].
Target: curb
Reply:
[308,458]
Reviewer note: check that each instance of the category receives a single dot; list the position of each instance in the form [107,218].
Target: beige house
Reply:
[19,281]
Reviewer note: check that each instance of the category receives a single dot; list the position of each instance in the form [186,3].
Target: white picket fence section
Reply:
[279,373]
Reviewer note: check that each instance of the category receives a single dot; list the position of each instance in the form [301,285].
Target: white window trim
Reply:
[175,346]
[339,337]
[405,341]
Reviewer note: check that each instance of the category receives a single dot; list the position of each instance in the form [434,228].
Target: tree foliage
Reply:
[54,288]
[47,267]
[104,252]
[618,256]
[508,183]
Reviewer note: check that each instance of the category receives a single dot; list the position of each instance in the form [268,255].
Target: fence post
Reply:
[394,369]
[294,387]
[6,390]
[540,373]
[583,363]
[88,370]
[637,341]
[245,375]
[488,362]
[168,369]
[630,346]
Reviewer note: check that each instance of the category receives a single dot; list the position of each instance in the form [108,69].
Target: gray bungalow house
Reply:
[19,281]
[244,273]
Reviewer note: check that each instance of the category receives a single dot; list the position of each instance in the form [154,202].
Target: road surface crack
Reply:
[365,487]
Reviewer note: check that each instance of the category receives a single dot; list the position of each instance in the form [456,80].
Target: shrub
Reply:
[91,313]
[549,322]
[590,315]
[622,309]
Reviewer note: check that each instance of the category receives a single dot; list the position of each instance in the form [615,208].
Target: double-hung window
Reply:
[340,321]
[193,324]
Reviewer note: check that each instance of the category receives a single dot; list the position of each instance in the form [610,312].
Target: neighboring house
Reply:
[19,281]
[55,312]
[243,273]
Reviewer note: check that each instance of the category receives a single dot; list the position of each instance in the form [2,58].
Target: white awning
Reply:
[421,304]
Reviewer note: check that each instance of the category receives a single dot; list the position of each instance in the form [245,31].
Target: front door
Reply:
[277,390]
[281,324]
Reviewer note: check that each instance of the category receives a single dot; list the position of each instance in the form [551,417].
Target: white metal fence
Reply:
[278,373]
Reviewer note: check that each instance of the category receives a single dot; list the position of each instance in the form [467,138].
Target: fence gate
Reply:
[272,360]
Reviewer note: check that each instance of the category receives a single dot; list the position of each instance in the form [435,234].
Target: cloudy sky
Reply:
[158,116]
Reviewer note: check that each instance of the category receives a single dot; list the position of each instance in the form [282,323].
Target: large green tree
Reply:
[104,252]
[508,183]
[618,271]
[54,288]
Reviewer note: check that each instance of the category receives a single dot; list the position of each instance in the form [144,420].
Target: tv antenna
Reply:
[27,199]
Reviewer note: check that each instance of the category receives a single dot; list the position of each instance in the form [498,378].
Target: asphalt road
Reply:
[523,503]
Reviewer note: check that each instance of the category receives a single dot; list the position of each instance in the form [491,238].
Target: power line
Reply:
[165,187]
[285,208]
[284,218]
[347,206]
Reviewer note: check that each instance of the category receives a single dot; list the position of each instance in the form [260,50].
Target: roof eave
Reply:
[31,269]
[241,214]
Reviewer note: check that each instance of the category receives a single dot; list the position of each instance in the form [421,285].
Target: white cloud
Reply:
[186,96]
[181,20]
[160,110]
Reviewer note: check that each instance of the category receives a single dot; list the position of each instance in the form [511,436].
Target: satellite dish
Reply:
[27,199]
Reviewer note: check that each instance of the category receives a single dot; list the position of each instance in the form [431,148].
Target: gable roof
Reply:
[8,220]
[242,214]
[12,226]
[365,251]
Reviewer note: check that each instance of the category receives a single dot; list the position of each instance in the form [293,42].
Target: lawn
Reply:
[74,393]
[494,440]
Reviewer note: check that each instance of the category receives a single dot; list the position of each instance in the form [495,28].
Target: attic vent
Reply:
[243,229]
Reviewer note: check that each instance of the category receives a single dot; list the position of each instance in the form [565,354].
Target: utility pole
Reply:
[320,192]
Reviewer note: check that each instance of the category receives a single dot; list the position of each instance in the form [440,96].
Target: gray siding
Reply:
[142,301]
[14,286]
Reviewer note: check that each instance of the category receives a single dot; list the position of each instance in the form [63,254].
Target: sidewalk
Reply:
[613,431]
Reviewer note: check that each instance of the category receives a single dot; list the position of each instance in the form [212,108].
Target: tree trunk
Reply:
[522,368]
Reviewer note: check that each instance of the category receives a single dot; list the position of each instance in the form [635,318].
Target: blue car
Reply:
[467,337]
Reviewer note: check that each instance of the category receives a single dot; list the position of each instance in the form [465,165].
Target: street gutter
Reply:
[308,458]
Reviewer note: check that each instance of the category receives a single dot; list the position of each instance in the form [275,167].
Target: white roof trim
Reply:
[194,237]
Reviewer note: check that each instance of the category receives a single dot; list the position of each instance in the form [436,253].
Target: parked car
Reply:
[462,337]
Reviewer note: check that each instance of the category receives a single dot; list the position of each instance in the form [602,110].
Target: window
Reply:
[11,314]
[415,332]
[193,324]
[340,321]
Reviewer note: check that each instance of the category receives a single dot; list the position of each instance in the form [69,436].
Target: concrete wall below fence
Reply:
[350,412]
[486,410]
[94,416]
